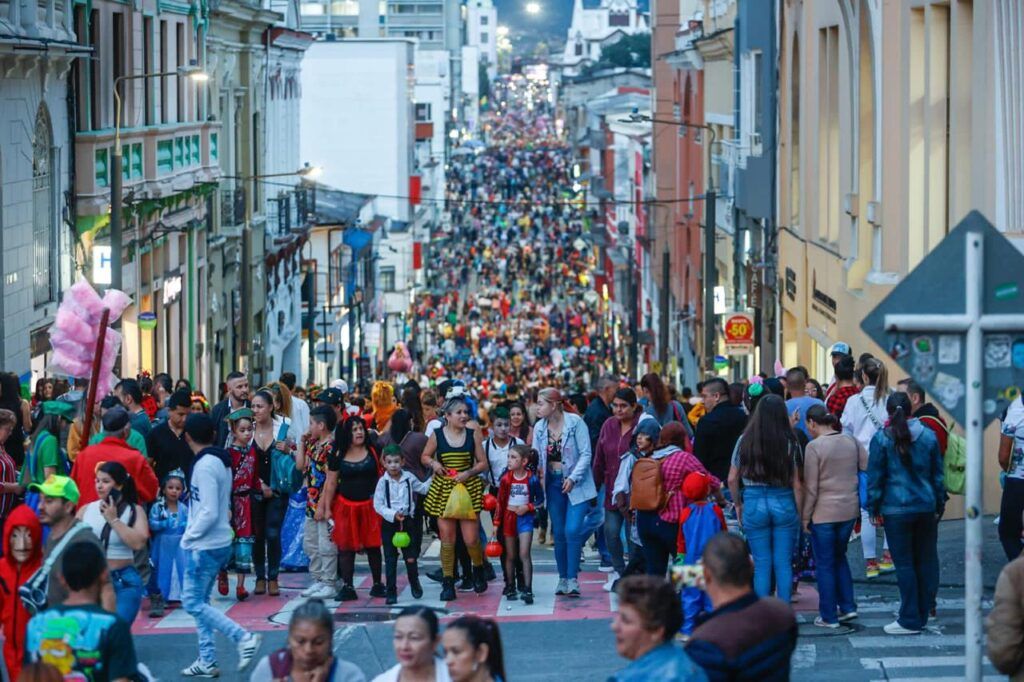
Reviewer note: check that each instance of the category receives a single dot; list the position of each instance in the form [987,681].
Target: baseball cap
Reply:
[115,419]
[341,385]
[60,408]
[57,486]
[840,348]
[331,396]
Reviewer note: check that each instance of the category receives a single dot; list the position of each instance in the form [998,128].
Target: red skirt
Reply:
[356,525]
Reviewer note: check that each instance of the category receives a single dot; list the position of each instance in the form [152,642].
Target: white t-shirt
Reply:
[519,492]
[1013,426]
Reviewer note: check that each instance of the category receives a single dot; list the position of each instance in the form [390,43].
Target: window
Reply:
[179,57]
[387,278]
[80,74]
[484,19]
[147,66]
[484,37]
[164,65]
[828,135]
[44,249]
[618,18]
[96,75]
[751,92]
[578,49]
[423,113]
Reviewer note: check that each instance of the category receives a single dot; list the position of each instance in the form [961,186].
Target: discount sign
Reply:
[739,333]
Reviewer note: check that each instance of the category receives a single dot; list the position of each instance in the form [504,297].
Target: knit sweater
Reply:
[831,464]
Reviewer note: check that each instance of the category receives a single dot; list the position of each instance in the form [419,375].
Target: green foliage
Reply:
[630,51]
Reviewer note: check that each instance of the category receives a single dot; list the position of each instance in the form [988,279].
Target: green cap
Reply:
[60,408]
[57,486]
[240,413]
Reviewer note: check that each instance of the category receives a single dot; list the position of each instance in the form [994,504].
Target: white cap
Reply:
[340,385]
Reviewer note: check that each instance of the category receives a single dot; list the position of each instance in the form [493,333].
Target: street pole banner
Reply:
[738,328]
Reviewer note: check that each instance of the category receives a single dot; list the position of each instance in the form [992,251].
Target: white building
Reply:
[481,32]
[36,242]
[357,118]
[594,27]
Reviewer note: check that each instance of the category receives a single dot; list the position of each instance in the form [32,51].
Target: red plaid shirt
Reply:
[675,468]
[836,401]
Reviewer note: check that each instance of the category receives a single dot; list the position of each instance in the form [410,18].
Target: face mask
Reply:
[21,544]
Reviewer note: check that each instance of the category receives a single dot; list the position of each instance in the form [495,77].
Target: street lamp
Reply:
[533,8]
[710,266]
[307,172]
[192,72]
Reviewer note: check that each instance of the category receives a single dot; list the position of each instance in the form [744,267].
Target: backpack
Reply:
[955,463]
[647,486]
[285,477]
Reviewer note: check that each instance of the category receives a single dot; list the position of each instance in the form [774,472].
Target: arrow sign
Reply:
[937,358]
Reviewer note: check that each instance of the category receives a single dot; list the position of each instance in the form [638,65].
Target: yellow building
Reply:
[895,120]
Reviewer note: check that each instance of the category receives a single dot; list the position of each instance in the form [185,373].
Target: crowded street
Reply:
[512,341]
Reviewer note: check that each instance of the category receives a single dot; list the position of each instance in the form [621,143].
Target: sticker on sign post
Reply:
[949,389]
[949,349]
[997,351]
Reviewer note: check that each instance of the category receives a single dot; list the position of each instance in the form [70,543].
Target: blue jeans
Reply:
[566,525]
[771,525]
[128,587]
[659,538]
[593,524]
[200,574]
[835,582]
[913,543]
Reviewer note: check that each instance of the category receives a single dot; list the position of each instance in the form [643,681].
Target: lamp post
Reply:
[710,264]
[307,172]
[193,72]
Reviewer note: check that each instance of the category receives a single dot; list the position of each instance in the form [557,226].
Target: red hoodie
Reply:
[13,616]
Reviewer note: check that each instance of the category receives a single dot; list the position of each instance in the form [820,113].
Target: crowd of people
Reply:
[704,508]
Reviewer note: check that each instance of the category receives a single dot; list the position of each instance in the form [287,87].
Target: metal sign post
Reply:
[946,375]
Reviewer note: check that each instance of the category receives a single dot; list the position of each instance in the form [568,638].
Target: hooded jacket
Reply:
[209,520]
[13,615]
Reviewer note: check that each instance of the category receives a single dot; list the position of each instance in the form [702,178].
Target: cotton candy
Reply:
[116,302]
[72,325]
[83,300]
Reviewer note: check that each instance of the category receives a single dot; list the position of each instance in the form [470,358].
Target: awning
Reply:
[357,239]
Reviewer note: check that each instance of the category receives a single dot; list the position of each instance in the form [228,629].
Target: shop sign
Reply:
[371,334]
[738,328]
[102,268]
[172,289]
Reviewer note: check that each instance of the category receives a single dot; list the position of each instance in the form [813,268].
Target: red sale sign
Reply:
[739,333]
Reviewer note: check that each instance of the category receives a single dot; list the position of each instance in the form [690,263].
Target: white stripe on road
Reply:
[805,656]
[956,678]
[543,595]
[433,550]
[179,618]
[914,661]
[895,642]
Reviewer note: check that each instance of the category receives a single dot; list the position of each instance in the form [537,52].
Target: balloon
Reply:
[400,539]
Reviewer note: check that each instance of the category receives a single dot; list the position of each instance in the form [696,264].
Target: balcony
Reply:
[232,207]
[159,161]
[48,20]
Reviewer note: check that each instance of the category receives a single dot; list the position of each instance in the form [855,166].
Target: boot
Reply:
[447,589]
[156,606]
[542,536]
[479,580]
[412,570]
[390,580]
[489,574]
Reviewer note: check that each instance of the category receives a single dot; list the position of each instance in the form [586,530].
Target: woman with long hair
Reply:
[562,440]
[353,478]
[907,495]
[269,506]
[521,428]
[455,454]
[404,434]
[864,415]
[10,399]
[831,506]
[659,402]
[764,478]
[613,443]
[472,650]
[119,521]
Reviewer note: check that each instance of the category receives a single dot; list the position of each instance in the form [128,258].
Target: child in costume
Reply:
[23,553]
[519,495]
[394,500]
[245,483]
[167,520]
[698,522]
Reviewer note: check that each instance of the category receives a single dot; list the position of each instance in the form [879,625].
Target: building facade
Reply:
[482,32]
[37,238]
[894,123]
[170,150]
[595,24]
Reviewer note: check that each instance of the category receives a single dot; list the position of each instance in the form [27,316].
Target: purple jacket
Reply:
[611,445]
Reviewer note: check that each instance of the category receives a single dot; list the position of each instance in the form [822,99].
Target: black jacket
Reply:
[596,415]
[747,639]
[715,437]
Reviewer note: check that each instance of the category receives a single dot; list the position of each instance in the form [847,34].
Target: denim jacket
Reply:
[665,662]
[575,455]
[896,489]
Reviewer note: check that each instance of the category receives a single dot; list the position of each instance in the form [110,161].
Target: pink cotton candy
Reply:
[780,371]
[73,326]
[84,301]
[116,301]
[71,366]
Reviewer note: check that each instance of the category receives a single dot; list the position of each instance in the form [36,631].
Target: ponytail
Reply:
[876,374]
[898,407]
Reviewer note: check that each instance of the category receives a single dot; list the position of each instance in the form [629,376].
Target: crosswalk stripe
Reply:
[804,656]
[543,595]
[913,662]
[179,618]
[893,642]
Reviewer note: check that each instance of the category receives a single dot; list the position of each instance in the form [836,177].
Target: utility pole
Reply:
[665,294]
[633,312]
[710,279]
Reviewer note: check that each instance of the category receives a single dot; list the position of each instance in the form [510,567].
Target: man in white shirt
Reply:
[300,408]
[496,447]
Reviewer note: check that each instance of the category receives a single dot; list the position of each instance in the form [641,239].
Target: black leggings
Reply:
[267,518]
[347,565]
[1010,523]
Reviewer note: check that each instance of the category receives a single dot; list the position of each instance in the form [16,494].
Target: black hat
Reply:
[331,396]
[200,428]
[115,419]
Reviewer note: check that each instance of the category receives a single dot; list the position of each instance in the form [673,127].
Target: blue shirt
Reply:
[667,663]
[801,405]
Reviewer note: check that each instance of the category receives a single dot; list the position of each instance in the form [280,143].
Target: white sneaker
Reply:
[308,592]
[562,586]
[572,587]
[247,649]
[610,583]
[894,628]
[200,669]
[322,591]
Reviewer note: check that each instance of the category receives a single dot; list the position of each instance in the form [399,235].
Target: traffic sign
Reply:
[936,358]
[738,328]
[955,325]
[325,351]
